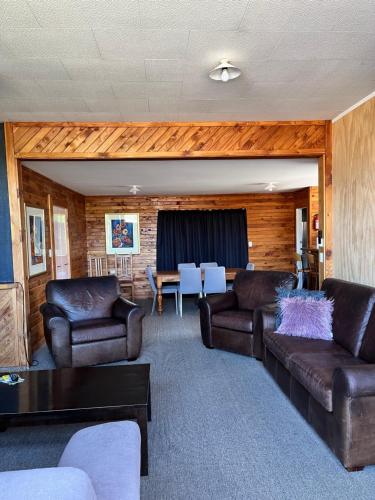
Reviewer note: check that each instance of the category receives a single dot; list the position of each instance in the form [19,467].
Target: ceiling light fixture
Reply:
[224,72]
[270,186]
[134,189]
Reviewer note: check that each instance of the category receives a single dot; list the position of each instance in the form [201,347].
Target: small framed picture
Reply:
[36,240]
[122,233]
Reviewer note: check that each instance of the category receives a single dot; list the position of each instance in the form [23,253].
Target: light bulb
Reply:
[224,75]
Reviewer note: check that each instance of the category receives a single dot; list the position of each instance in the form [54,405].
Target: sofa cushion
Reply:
[110,454]
[241,321]
[283,346]
[92,330]
[315,372]
[351,312]
[257,288]
[64,483]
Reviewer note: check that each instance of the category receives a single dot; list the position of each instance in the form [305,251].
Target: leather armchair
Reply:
[229,321]
[87,322]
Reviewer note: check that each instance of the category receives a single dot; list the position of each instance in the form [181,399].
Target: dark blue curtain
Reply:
[6,261]
[201,236]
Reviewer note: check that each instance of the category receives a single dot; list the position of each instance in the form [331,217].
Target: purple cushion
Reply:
[306,317]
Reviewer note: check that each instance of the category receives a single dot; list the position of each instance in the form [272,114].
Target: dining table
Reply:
[162,277]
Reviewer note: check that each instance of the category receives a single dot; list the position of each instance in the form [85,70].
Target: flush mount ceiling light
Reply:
[224,72]
[134,189]
[270,186]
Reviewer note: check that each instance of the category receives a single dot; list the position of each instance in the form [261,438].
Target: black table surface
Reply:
[76,388]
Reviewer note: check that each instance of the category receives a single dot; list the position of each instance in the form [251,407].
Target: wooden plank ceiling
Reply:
[157,140]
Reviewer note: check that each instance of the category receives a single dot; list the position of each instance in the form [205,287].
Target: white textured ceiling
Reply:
[180,176]
[148,59]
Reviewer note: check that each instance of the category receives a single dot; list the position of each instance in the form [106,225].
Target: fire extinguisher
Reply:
[315,223]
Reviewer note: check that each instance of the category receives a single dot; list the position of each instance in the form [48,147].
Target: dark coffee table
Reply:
[72,395]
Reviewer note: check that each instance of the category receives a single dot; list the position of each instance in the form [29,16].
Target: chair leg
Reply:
[153,304]
[176,300]
[180,300]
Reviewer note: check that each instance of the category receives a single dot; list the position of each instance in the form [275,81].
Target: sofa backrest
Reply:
[353,305]
[257,288]
[367,351]
[84,298]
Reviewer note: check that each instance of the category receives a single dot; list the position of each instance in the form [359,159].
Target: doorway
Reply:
[61,247]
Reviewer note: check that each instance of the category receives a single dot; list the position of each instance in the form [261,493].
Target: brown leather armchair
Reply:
[86,322]
[227,321]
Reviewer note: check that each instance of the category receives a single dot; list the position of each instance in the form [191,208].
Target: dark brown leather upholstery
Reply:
[329,384]
[87,322]
[228,320]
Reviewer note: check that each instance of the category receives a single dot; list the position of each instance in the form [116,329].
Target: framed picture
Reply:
[36,240]
[122,233]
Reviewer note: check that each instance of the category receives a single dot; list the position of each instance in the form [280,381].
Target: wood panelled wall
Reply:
[35,191]
[309,198]
[270,217]
[354,195]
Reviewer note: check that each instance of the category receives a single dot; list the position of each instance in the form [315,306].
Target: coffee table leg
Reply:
[149,404]
[142,422]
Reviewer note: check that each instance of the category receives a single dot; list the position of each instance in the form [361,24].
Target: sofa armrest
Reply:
[132,315]
[211,305]
[57,334]
[354,381]
[264,319]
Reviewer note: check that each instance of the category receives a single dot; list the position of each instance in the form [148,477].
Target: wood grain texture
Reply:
[168,140]
[38,191]
[309,198]
[354,195]
[14,348]
[271,226]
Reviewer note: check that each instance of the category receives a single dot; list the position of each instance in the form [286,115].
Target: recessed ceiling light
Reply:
[134,189]
[224,72]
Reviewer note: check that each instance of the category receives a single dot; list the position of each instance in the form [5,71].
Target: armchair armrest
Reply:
[57,334]
[132,315]
[211,305]
[264,320]
[354,381]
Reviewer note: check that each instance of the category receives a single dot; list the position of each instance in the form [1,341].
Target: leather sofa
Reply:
[331,383]
[227,320]
[86,322]
[99,463]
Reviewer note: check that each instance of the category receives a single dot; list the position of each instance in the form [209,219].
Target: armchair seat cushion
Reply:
[285,346]
[232,319]
[315,372]
[92,330]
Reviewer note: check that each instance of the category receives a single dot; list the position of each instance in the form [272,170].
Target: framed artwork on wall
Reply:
[36,241]
[122,233]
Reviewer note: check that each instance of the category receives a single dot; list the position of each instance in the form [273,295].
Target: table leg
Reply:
[142,422]
[160,298]
[149,404]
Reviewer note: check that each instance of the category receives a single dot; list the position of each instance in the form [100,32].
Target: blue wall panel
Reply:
[6,261]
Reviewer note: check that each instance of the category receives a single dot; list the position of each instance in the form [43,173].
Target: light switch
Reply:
[250,244]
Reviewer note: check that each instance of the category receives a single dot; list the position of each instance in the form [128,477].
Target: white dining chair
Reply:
[190,283]
[165,290]
[187,264]
[214,280]
[204,265]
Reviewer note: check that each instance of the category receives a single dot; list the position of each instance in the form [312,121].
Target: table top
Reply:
[76,389]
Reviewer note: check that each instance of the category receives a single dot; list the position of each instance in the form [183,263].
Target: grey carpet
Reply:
[221,428]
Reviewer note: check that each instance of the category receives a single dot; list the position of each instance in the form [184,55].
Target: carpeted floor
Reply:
[221,428]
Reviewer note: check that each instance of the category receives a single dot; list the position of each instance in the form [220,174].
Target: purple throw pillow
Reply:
[306,317]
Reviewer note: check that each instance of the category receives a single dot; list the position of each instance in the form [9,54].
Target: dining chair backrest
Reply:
[150,278]
[214,280]
[203,265]
[124,266]
[190,280]
[189,264]
[97,265]
[250,266]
